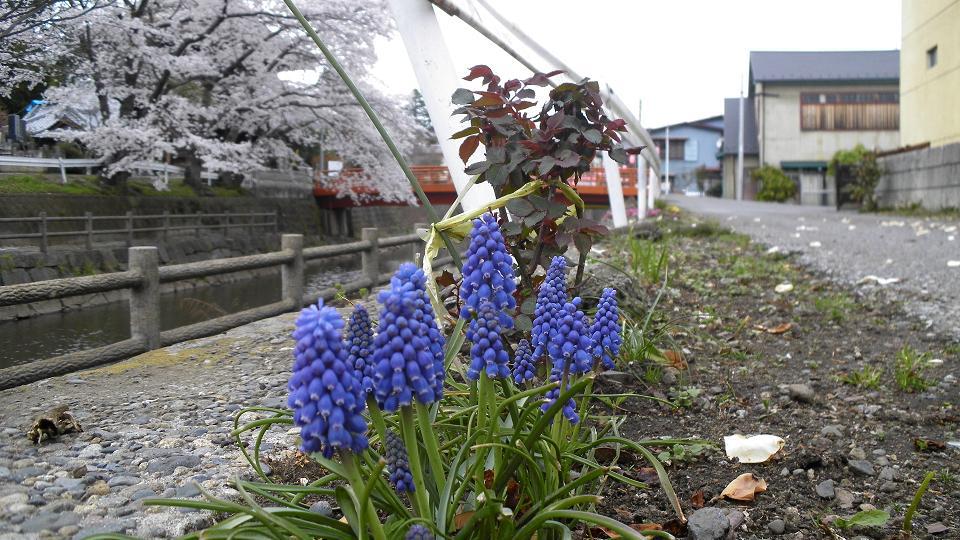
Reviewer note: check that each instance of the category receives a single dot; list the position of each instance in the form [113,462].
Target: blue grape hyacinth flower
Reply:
[569,410]
[606,329]
[487,352]
[524,368]
[419,532]
[325,395]
[488,271]
[572,345]
[550,301]
[408,349]
[398,464]
[360,346]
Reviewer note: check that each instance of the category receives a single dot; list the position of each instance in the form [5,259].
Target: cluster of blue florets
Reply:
[550,301]
[571,343]
[325,395]
[398,464]
[419,532]
[605,331]
[524,368]
[408,349]
[487,352]
[488,272]
[360,346]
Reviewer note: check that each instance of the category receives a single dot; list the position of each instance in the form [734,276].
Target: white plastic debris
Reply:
[892,224]
[952,228]
[772,250]
[878,280]
[851,227]
[953,264]
[951,238]
[755,449]
[815,244]
[784,287]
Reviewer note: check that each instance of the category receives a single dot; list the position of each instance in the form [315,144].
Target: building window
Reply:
[849,111]
[931,57]
[676,148]
[690,150]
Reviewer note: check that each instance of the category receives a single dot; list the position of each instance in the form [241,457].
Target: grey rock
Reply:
[777,526]
[858,453]
[845,498]
[861,466]
[802,393]
[90,451]
[104,527]
[708,523]
[49,521]
[188,490]
[825,490]
[322,507]
[888,487]
[142,494]
[168,465]
[888,474]
[69,483]
[833,431]
[123,481]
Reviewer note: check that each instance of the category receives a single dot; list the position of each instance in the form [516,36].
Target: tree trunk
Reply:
[116,181]
[192,170]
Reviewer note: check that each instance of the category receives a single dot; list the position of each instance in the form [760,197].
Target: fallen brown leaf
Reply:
[461,519]
[676,527]
[696,500]
[780,328]
[744,487]
[676,359]
[646,526]
[648,475]
[928,445]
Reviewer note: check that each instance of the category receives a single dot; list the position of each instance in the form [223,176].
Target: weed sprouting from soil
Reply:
[867,377]
[836,307]
[908,370]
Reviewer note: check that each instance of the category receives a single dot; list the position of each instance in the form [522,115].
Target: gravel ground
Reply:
[155,425]
[923,254]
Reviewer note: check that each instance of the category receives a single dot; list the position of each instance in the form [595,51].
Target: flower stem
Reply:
[433,448]
[376,417]
[414,183]
[356,482]
[408,428]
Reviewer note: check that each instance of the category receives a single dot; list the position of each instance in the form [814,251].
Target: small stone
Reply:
[888,473]
[826,490]
[784,472]
[322,507]
[861,466]
[936,528]
[802,393]
[98,488]
[50,521]
[90,451]
[708,524]
[123,481]
[832,431]
[168,465]
[79,472]
[844,498]
[188,490]
[777,526]
[858,453]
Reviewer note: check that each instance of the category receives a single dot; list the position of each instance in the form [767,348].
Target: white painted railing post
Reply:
[437,80]
[370,257]
[618,209]
[291,274]
[145,299]
[642,169]
[63,171]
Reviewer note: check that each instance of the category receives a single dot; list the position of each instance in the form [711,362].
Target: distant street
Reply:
[923,253]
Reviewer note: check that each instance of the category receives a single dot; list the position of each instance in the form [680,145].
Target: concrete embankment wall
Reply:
[928,177]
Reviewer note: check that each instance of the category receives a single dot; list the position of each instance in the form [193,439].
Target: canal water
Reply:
[44,336]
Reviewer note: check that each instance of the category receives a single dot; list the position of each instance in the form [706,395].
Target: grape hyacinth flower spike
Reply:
[398,464]
[488,272]
[408,348]
[419,532]
[571,353]
[606,329]
[360,346]
[550,301]
[524,369]
[487,352]
[325,394]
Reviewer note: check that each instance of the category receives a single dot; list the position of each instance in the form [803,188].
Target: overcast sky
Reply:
[680,57]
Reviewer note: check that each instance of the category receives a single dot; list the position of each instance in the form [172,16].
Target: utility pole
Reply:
[666,176]
[739,186]
[437,79]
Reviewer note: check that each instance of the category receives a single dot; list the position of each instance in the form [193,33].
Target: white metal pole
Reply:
[666,177]
[739,186]
[618,209]
[641,187]
[438,79]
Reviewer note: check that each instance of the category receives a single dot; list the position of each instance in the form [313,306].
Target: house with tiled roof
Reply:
[693,151]
[808,105]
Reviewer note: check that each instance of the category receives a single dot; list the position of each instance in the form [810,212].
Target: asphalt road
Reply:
[921,254]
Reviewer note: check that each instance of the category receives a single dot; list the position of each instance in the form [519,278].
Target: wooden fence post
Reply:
[370,257]
[129,228]
[43,232]
[166,224]
[145,299]
[291,274]
[88,227]
[199,224]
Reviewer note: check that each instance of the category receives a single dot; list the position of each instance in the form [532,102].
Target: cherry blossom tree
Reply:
[229,86]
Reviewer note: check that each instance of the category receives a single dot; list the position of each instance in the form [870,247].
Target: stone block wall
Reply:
[929,177]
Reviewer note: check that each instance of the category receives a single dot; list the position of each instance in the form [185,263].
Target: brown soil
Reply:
[718,312]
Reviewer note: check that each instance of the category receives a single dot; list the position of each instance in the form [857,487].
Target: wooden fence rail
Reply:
[168,223]
[143,280]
